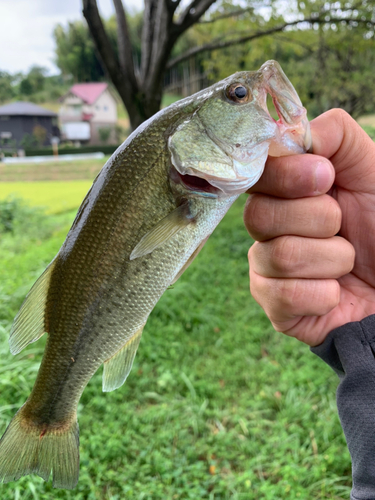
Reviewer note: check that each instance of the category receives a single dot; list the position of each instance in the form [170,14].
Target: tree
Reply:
[34,81]
[165,21]
[142,92]
[7,90]
[330,64]
[75,53]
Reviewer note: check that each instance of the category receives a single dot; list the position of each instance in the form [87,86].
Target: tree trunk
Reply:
[142,93]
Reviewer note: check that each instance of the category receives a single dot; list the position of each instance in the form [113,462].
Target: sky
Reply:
[26,28]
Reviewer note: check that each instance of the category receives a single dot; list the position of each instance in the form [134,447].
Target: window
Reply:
[105,108]
[5,135]
[77,109]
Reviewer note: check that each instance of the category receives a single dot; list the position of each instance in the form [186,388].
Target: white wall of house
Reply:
[103,115]
[104,109]
[72,106]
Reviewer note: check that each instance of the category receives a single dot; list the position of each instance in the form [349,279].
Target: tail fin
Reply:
[26,448]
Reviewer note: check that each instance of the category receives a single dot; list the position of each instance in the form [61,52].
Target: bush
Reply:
[19,219]
[107,150]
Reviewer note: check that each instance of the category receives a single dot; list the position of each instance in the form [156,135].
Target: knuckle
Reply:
[351,257]
[347,255]
[340,116]
[258,214]
[258,289]
[285,254]
[286,295]
[329,296]
[331,215]
[251,254]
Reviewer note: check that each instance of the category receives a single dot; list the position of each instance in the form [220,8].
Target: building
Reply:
[89,114]
[24,125]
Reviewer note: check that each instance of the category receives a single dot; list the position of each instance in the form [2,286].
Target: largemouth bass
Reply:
[147,215]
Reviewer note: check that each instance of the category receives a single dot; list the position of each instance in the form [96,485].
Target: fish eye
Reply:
[238,93]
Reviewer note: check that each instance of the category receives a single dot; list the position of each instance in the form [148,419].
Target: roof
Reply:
[24,108]
[88,92]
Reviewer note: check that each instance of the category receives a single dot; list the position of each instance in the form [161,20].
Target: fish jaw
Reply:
[293,130]
[246,172]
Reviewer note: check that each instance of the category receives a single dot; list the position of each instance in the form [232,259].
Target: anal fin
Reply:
[117,368]
[29,325]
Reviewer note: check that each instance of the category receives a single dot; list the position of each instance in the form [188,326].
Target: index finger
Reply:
[296,176]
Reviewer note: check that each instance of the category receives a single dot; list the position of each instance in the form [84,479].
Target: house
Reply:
[89,114]
[24,124]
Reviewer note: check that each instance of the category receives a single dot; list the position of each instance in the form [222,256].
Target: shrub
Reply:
[106,149]
[19,219]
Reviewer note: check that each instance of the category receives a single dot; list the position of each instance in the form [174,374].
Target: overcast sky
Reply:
[26,28]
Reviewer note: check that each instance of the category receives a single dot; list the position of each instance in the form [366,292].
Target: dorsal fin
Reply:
[28,325]
[117,368]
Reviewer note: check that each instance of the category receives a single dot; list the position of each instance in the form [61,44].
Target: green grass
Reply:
[218,406]
[56,196]
[51,171]
[169,99]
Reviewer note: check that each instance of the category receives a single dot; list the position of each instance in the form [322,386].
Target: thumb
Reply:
[339,138]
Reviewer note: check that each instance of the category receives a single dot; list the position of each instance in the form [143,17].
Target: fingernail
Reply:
[323,177]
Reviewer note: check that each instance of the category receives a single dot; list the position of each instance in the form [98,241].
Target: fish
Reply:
[146,217]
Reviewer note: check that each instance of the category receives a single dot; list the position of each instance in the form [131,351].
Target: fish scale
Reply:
[144,220]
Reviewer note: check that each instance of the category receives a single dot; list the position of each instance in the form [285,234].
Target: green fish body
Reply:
[147,215]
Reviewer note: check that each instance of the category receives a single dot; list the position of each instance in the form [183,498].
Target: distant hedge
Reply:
[107,150]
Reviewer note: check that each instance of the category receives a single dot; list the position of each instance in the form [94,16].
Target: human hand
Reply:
[302,267]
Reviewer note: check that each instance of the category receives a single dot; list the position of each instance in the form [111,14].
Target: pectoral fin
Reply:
[164,230]
[28,325]
[117,368]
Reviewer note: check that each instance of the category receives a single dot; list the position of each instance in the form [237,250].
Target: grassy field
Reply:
[57,186]
[51,171]
[55,196]
[218,406]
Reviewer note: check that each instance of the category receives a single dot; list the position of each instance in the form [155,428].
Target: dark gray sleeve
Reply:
[349,350]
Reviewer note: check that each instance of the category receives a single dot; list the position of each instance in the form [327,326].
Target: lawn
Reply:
[218,406]
[51,171]
[55,196]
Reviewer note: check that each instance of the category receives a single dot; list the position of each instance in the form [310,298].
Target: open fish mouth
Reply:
[243,173]
[294,134]
[195,184]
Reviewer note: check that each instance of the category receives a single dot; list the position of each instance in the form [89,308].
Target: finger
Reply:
[297,257]
[295,176]
[267,217]
[287,301]
[335,135]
